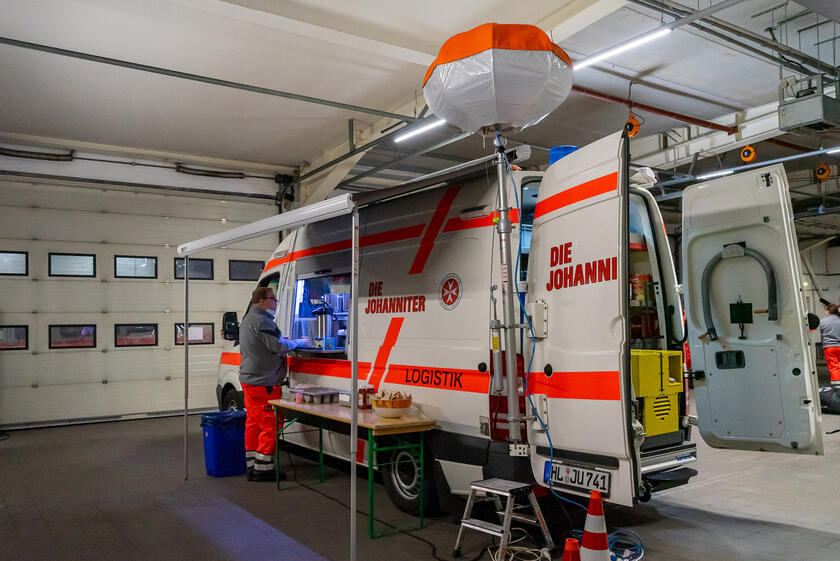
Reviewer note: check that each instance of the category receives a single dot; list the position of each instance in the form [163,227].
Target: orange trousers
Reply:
[259,423]
[832,358]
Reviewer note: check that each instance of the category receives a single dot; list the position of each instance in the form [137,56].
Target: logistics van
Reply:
[601,383]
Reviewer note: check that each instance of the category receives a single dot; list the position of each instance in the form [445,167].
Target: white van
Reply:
[605,406]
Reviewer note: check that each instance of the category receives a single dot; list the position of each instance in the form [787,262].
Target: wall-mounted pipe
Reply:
[729,129]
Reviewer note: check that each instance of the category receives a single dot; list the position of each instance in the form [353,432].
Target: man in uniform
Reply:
[262,370]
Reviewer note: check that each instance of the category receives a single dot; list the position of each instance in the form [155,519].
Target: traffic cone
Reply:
[594,545]
[572,551]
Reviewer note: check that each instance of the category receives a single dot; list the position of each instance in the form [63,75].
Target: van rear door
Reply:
[577,297]
[753,366]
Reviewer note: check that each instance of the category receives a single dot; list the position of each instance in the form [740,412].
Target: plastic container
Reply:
[559,152]
[224,442]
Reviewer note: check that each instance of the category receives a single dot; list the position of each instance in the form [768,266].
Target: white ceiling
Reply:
[363,52]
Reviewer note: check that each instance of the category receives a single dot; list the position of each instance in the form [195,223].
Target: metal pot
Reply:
[325,317]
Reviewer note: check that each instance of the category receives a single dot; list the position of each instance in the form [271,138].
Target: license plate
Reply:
[577,478]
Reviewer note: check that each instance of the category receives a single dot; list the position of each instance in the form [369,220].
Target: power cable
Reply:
[379,520]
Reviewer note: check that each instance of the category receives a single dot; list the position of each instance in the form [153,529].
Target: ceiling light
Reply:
[833,151]
[720,173]
[632,44]
[420,130]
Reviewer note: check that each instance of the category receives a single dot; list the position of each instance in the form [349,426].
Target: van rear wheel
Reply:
[401,476]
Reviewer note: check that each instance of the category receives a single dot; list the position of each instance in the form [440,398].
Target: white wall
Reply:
[42,385]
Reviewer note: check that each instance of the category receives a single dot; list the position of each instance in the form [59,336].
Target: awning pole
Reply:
[186,363]
[354,380]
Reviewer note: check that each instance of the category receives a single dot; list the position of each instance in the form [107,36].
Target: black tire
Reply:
[232,401]
[834,402]
[401,476]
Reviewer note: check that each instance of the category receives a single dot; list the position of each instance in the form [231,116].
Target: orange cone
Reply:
[571,552]
[594,545]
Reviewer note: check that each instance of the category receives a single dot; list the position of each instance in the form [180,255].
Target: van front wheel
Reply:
[401,476]
[232,401]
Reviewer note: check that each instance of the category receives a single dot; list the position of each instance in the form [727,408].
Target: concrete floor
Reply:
[116,491]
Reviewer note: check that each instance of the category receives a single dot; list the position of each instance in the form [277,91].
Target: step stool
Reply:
[494,489]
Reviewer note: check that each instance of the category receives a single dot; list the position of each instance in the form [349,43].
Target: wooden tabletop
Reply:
[411,422]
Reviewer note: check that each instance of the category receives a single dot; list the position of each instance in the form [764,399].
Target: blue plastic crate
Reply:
[224,442]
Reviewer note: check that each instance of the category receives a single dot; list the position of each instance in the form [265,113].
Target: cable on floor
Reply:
[384,523]
[518,552]
[625,545]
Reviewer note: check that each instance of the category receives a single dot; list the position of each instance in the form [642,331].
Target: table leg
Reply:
[320,453]
[371,455]
[276,451]
[422,482]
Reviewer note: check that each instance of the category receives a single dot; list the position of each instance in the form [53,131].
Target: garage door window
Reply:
[72,265]
[135,335]
[14,263]
[72,336]
[200,333]
[200,269]
[245,270]
[131,267]
[14,337]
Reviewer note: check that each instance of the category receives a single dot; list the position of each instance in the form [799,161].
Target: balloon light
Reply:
[497,77]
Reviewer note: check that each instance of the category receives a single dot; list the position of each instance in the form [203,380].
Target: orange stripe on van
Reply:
[577,194]
[577,385]
[400,234]
[432,230]
[458,223]
[232,359]
[378,373]
[439,378]
[324,367]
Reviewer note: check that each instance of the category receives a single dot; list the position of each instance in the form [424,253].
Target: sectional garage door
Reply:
[91,310]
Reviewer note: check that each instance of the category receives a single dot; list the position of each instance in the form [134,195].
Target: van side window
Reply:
[528,202]
[272,282]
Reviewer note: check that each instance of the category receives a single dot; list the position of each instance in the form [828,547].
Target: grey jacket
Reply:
[830,331]
[263,350]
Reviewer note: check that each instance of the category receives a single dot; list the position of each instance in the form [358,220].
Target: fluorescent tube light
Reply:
[632,44]
[833,151]
[720,173]
[420,130]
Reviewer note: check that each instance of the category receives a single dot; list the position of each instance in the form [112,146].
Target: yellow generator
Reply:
[658,381]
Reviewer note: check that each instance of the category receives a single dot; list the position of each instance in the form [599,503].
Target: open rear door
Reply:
[754,377]
[577,295]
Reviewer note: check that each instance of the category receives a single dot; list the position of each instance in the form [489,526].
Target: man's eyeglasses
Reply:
[271,298]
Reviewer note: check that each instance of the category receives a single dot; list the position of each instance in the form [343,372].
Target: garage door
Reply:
[91,311]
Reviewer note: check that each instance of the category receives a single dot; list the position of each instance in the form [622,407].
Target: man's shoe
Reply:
[249,474]
[269,476]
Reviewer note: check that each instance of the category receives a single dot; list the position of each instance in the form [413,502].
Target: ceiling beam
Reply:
[577,15]
[325,34]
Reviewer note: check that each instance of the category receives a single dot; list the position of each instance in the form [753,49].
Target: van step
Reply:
[482,526]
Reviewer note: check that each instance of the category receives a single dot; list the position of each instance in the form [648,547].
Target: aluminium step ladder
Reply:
[494,489]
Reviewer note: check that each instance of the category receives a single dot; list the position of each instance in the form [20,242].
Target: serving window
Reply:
[322,305]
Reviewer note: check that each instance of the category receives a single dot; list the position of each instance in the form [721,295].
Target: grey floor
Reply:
[117,491]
